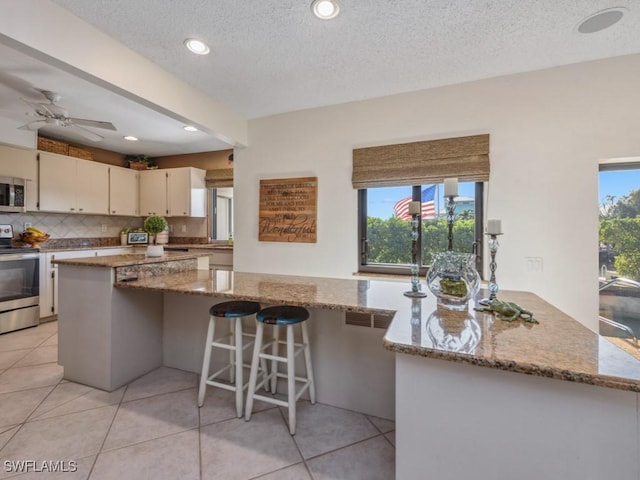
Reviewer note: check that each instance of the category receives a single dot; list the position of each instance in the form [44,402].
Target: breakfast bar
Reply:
[558,400]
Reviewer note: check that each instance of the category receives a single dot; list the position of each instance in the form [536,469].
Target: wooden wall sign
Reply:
[288,210]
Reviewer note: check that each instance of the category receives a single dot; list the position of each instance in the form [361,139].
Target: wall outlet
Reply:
[533,264]
[104,228]
[170,228]
[183,228]
[27,225]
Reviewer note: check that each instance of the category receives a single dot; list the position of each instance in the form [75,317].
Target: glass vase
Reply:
[453,279]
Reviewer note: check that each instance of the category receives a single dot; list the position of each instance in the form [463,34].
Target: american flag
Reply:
[401,208]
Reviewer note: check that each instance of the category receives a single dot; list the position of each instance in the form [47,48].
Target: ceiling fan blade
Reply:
[33,125]
[85,133]
[93,123]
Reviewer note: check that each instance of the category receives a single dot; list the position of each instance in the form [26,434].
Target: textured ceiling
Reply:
[270,57]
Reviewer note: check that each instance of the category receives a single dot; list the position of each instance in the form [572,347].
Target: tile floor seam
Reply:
[45,397]
[387,439]
[115,414]
[23,423]
[374,425]
[295,442]
[234,416]
[344,446]
[155,394]
[18,360]
[61,404]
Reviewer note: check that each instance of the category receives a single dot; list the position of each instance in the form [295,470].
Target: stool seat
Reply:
[235,308]
[282,315]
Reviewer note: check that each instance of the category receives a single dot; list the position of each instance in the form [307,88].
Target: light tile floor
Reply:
[153,429]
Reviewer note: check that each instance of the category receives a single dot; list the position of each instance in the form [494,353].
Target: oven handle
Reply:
[18,256]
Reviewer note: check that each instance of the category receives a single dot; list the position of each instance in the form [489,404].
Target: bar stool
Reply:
[233,310]
[283,315]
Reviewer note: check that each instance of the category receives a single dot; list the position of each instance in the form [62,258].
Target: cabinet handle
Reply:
[113,211]
[81,209]
[72,209]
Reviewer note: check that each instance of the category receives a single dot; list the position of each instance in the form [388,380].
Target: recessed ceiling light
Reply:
[131,138]
[325,9]
[196,46]
[601,20]
[190,128]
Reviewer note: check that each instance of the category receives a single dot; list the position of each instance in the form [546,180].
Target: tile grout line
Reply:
[286,425]
[23,423]
[63,403]
[155,394]
[115,414]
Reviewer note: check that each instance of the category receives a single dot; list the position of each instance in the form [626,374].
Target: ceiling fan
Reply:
[52,114]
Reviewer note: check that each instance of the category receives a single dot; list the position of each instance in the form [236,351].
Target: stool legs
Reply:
[206,362]
[239,380]
[253,375]
[292,349]
[291,380]
[307,361]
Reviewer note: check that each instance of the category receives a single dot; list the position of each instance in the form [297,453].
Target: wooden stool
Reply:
[234,310]
[284,315]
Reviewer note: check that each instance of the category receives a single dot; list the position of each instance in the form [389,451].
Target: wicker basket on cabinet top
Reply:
[80,153]
[53,146]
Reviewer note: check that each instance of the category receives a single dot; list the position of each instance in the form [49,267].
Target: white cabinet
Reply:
[123,191]
[153,192]
[49,274]
[21,163]
[218,259]
[173,192]
[69,184]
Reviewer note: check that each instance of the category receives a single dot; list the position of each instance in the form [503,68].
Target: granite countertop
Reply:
[201,246]
[45,249]
[558,347]
[127,260]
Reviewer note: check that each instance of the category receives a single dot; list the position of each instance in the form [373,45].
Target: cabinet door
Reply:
[46,286]
[92,187]
[123,191]
[57,183]
[153,192]
[51,285]
[179,192]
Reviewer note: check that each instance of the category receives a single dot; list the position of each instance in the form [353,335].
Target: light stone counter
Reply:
[558,347]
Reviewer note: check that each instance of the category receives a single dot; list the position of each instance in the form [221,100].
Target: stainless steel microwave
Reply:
[12,194]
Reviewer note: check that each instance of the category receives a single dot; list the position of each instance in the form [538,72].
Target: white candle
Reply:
[494,227]
[450,187]
[415,208]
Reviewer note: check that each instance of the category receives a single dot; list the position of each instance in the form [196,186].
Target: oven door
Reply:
[19,291]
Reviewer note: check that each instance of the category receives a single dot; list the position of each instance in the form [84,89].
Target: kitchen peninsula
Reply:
[557,400]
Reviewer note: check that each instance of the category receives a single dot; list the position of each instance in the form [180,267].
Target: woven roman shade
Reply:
[420,163]
[218,178]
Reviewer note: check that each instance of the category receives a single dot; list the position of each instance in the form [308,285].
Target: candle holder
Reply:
[415,291]
[451,207]
[493,285]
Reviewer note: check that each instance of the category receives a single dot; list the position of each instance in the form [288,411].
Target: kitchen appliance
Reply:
[12,192]
[19,284]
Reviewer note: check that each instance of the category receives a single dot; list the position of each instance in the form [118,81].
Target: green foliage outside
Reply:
[620,229]
[390,239]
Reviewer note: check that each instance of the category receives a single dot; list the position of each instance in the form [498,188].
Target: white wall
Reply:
[548,130]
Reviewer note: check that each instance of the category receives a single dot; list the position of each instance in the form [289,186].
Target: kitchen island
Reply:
[556,401]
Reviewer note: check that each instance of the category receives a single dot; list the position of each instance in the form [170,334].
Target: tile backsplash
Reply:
[63,225]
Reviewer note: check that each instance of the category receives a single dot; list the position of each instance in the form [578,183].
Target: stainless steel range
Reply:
[19,284]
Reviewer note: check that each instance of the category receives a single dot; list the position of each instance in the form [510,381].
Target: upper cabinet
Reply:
[123,191]
[69,184]
[21,163]
[173,192]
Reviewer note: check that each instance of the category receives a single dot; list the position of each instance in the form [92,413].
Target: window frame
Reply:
[405,269]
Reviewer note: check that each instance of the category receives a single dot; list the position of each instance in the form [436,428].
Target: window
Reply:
[619,253]
[221,213]
[385,232]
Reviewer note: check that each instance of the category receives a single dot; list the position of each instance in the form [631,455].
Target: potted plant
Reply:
[153,225]
[139,162]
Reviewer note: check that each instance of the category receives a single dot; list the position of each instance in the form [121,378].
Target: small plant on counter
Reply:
[154,224]
[125,230]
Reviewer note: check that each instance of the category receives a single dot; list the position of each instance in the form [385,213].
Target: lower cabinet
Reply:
[49,274]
